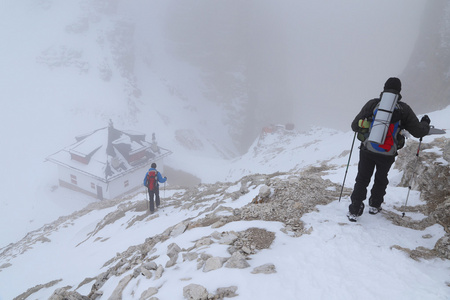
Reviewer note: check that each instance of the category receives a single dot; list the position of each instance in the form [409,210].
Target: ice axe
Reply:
[434,130]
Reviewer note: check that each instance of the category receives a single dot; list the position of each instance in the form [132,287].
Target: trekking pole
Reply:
[412,176]
[148,200]
[348,163]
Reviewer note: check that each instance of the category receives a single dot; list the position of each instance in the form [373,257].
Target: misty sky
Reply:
[351,49]
[304,60]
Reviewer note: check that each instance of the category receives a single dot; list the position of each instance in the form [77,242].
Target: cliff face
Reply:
[427,76]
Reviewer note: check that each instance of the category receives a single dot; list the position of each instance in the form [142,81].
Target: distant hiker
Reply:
[383,156]
[151,181]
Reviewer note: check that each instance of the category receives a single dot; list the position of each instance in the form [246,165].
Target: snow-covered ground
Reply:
[336,260]
[66,71]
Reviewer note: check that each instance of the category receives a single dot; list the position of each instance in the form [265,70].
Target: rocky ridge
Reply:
[281,197]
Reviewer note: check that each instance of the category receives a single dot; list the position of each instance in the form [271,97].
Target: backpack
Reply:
[151,180]
[392,141]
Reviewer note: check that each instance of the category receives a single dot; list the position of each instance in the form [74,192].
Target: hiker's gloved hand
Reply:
[426,119]
[363,123]
[165,177]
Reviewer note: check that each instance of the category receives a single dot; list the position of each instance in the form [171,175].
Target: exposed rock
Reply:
[215,235]
[287,200]
[203,242]
[159,272]
[290,200]
[4,266]
[253,239]
[195,292]
[266,269]
[228,239]
[150,265]
[63,294]
[213,263]
[136,273]
[237,261]
[117,293]
[202,259]
[247,250]
[178,229]
[219,223]
[148,293]
[226,292]
[442,246]
[244,188]
[190,256]
[35,289]
[434,185]
[172,252]
[146,273]
[264,192]
[205,256]
[434,179]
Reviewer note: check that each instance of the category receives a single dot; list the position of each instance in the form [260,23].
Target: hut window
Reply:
[73,179]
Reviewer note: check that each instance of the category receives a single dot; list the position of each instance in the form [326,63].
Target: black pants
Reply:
[367,163]
[152,195]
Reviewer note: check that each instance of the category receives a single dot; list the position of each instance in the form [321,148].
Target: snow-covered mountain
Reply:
[277,232]
[205,79]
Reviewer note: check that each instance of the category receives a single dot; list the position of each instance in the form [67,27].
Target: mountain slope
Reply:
[293,241]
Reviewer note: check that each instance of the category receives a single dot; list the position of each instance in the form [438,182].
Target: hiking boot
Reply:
[374,210]
[361,210]
[351,217]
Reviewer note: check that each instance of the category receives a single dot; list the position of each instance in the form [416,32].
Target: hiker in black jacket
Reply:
[368,160]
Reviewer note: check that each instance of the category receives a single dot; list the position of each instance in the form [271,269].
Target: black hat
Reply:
[393,83]
[153,165]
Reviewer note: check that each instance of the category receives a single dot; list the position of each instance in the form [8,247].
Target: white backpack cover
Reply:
[383,116]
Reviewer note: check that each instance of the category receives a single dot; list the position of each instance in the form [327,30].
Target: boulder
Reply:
[226,292]
[195,292]
[150,265]
[213,263]
[228,239]
[265,269]
[264,192]
[178,229]
[159,272]
[148,293]
[172,252]
[62,294]
[203,242]
[117,293]
[237,261]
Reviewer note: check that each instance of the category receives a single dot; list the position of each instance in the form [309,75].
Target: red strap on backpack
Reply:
[389,141]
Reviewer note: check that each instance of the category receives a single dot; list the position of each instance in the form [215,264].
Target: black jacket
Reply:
[409,120]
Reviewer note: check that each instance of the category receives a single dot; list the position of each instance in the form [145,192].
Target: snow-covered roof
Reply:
[108,153]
